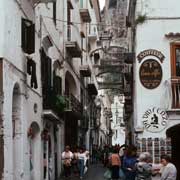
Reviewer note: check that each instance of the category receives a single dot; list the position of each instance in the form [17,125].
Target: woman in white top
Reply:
[169,171]
[81,162]
[67,156]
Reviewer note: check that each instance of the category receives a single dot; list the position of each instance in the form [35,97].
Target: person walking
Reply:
[115,164]
[67,157]
[168,172]
[144,167]
[129,162]
[75,162]
[81,162]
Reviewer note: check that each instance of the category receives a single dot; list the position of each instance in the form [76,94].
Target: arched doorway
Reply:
[33,135]
[71,121]
[173,133]
[70,85]
[16,132]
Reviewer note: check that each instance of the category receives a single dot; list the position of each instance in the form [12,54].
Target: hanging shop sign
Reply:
[150,52]
[150,74]
[155,120]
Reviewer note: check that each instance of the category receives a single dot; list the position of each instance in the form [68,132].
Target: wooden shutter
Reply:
[57,85]
[54,12]
[27,36]
[46,65]
[174,46]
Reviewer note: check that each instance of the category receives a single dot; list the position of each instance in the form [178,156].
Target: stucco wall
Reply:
[151,35]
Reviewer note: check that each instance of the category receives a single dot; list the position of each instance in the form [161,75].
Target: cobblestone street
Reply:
[96,172]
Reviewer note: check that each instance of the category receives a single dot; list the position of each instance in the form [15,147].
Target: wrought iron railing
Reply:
[73,104]
[175,88]
[53,102]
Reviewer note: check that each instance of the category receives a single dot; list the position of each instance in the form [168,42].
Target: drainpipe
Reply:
[1,122]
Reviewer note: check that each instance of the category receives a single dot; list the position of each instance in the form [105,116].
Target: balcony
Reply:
[73,49]
[175,88]
[85,15]
[72,45]
[111,85]
[92,36]
[92,90]
[51,110]
[85,71]
[73,105]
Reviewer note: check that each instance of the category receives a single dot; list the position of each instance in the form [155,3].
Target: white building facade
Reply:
[156,77]
[117,123]
[44,84]
[20,93]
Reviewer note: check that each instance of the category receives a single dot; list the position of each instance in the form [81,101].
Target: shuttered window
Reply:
[27,36]
[57,85]
[54,12]
[46,72]
[175,60]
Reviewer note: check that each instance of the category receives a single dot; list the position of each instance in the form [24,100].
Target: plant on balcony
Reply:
[60,103]
[141,19]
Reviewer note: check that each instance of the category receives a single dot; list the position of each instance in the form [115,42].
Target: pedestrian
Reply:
[75,162]
[144,167]
[168,172]
[67,156]
[81,162]
[115,164]
[129,162]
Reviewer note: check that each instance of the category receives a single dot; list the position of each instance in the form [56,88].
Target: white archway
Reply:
[70,84]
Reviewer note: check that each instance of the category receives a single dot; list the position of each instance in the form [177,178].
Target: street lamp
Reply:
[106,38]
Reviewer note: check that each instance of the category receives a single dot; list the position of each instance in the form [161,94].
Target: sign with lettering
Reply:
[155,120]
[150,52]
[150,74]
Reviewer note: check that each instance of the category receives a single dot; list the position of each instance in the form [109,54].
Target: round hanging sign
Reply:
[155,120]
[150,74]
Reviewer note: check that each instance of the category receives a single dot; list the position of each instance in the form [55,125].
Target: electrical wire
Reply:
[95,24]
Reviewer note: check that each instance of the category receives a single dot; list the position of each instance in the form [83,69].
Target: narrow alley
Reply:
[87,81]
[96,172]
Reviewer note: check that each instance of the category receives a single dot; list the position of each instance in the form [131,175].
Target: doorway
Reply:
[16,132]
[173,133]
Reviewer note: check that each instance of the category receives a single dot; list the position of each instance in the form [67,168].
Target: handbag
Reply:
[67,162]
[107,174]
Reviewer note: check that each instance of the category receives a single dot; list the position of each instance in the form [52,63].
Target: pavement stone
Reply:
[96,172]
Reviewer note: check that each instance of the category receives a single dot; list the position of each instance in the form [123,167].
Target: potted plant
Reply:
[141,19]
[60,103]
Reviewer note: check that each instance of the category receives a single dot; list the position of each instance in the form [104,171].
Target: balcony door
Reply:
[175,75]
[175,60]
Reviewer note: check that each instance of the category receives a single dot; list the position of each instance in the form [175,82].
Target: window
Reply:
[175,75]
[27,36]
[54,12]
[175,60]
[69,21]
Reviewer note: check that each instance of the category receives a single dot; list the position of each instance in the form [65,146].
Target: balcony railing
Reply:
[85,71]
[85,15]
[52,105]
[73,41]
[175,88]
[73,104]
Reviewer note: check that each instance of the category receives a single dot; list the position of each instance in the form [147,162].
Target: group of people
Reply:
[75,162]
[124,164]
